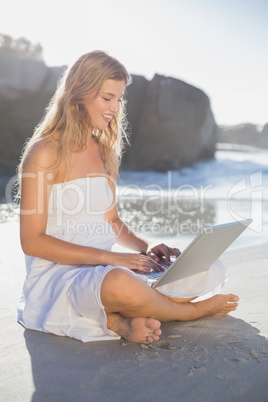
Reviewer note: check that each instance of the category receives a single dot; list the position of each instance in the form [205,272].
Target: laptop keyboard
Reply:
[154,275]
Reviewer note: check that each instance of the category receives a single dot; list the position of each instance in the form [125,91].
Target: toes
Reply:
[228,308]
[155,332]
[152,324]
[231,307]
[233,298]
[152,338]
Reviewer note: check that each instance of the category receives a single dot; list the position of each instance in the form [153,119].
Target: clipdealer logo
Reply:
[249,189]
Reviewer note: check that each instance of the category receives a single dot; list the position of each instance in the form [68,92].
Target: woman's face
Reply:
[106,105]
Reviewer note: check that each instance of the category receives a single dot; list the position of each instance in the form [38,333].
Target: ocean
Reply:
[173,207]
[176,205]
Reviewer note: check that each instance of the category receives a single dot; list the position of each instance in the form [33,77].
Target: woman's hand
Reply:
[162,251]
[135,262]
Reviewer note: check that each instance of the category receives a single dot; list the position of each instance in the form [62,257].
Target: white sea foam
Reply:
[233,186]
[217,177]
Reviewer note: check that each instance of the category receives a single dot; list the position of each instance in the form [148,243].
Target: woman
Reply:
[75,284]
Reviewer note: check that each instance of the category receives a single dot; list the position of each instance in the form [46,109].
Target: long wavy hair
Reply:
[66,114]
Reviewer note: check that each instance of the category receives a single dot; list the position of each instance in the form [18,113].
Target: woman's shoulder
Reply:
[43,154]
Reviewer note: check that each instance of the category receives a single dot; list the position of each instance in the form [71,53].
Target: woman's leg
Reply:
[129,297]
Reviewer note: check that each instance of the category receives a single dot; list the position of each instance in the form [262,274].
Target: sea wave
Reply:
[231,173]
[233,186]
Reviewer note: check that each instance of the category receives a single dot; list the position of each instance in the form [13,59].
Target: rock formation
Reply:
[171,122]
[244,134]
[25,89]
[173,125]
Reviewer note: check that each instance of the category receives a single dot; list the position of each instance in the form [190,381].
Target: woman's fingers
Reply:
[138,262]
[148,264]
[176,252]
[162,250]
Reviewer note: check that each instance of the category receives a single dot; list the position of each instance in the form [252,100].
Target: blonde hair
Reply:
[66,114]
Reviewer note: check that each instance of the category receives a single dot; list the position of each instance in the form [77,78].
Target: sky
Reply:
[219,46]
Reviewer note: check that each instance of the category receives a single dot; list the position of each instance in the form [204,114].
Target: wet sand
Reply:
[218,358]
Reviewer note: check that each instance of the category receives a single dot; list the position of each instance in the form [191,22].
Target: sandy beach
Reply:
[218,358]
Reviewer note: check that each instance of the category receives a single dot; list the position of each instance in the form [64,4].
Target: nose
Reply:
[115,106]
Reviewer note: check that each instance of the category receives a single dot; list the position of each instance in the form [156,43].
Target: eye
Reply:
[106,99]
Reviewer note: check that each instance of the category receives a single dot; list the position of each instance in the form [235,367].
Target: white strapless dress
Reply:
[65,299]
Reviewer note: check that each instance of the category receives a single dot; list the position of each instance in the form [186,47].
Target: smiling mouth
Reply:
[107,116]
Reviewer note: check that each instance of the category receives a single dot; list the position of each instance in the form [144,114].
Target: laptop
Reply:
[201,253]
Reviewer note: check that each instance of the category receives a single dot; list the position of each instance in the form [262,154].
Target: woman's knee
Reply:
[121,287]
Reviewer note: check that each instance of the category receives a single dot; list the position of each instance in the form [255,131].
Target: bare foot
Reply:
[217,305]
[140,330]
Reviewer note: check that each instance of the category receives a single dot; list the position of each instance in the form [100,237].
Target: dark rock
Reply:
[26,87]
[136,93]
[264,136]
[244,134]
[176,127]
[171,122]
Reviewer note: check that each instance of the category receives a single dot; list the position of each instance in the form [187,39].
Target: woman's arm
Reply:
[126,237]
[36,183]
[37,180]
